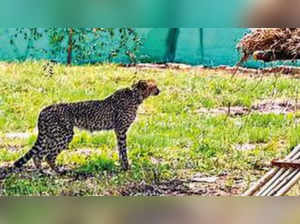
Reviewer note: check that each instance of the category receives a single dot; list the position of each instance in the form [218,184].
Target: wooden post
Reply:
[265,182]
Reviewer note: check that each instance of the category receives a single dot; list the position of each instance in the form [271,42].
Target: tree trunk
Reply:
[70,46]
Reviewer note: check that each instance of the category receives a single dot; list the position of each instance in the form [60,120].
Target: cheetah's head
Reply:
[146,88]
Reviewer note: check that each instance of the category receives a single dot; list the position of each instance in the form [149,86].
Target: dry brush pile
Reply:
[271,44]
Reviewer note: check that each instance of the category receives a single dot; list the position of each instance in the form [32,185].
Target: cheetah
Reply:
[56,123]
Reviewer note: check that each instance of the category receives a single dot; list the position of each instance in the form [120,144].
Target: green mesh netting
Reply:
[196,46]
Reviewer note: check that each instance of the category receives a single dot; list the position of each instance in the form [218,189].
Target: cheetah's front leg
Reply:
[121,138]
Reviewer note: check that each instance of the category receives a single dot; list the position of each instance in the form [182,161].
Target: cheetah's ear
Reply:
[142,84]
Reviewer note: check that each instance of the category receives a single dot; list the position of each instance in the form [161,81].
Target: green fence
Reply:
[196,46]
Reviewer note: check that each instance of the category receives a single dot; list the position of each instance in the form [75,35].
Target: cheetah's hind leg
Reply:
[57,147]
[121,139]
[37,160]
[50,158]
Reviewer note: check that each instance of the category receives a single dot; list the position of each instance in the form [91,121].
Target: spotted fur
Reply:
[56,123]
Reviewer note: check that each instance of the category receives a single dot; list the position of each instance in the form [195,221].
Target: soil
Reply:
[287,70]
[277,106]
[184,187]
[248,147]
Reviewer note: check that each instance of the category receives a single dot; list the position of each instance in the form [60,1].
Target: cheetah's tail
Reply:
[23,160]
[5,171]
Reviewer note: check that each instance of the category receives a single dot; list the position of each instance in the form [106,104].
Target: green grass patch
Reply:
[170,136]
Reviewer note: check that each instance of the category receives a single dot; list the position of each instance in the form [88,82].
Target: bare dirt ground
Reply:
[214,186]
[276,106]
[288,70]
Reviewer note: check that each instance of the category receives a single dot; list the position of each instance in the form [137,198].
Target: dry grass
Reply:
[271,39]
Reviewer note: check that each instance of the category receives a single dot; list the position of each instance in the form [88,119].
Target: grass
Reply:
[170,139]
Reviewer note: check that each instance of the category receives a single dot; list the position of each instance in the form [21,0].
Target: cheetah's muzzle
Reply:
[56,123]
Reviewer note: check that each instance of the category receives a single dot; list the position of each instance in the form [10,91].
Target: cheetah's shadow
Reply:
[92,169]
